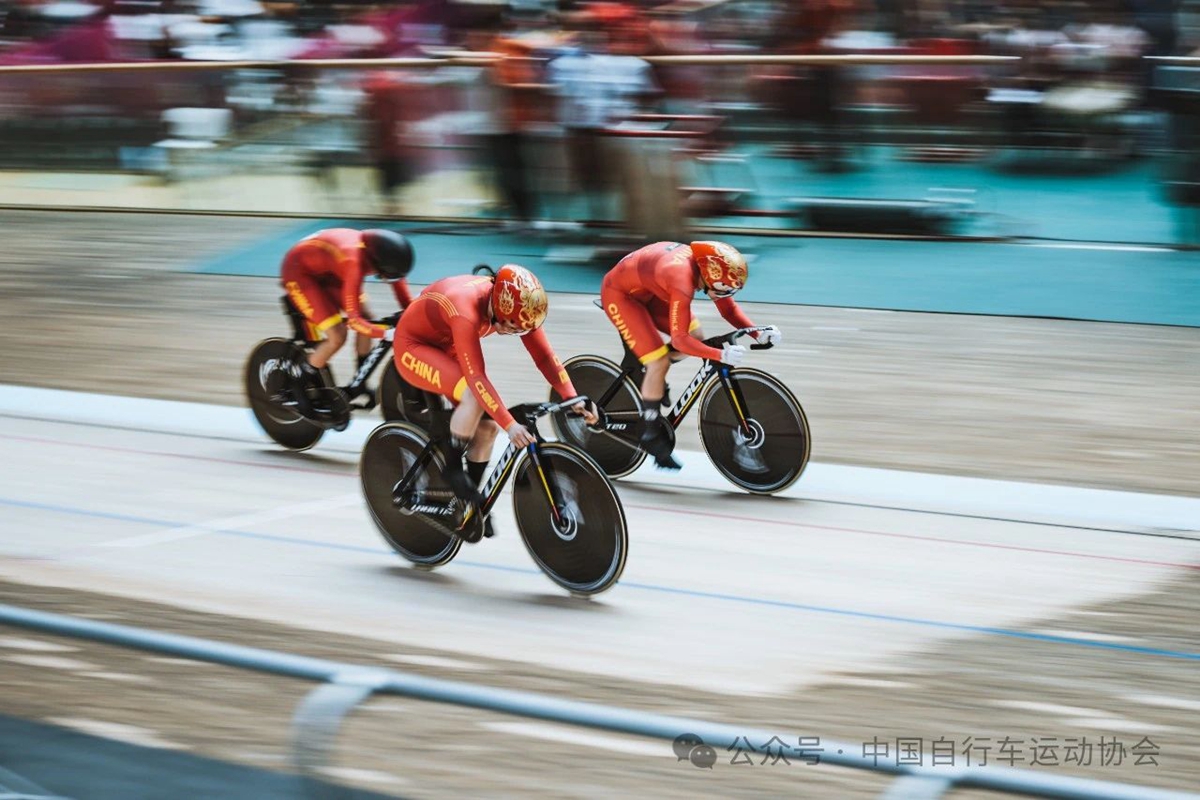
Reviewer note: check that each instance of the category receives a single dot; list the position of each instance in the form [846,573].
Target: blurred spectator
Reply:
[385,107]
[520,98]
[597,90]
[1159,19]
[810,29]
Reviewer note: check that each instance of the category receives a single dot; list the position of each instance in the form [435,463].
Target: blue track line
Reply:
[649,587]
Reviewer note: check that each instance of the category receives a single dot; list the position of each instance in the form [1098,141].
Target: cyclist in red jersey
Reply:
[649,292]
[437,348]
[323,274]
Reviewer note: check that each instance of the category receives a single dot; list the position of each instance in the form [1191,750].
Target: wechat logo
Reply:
[690,747]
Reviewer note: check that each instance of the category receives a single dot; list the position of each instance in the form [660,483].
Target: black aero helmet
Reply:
[388,253]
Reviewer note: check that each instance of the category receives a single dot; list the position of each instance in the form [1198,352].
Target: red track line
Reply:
[1018,548]
[682,512]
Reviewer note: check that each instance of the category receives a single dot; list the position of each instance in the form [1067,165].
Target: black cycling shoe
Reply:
[305,390]
[659,444]
[666,398]
[666,461]
[464,488]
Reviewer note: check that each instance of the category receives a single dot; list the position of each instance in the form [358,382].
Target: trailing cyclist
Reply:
[649,293]
[323,274]
[437,349]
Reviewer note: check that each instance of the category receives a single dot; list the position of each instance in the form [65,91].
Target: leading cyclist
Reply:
[649,292]
[437,349]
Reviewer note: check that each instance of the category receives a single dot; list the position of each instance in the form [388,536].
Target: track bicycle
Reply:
[273,382]
[752,427]
[567,512]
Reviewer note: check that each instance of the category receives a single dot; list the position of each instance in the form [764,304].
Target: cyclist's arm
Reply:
[351,289]
[403,293]
[681,323]
[732,313]
[470,359]
[538,345]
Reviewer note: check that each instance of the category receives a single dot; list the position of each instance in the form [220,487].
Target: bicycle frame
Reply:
[496,479]
[708,369]
[370,362]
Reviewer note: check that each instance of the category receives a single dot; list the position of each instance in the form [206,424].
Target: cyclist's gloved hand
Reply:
[389,334]
[519,435]
[588,411]
[769,335]
[733,354]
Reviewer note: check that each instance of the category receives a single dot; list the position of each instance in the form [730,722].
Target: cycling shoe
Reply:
[464,488]
[659,444]
[667,462]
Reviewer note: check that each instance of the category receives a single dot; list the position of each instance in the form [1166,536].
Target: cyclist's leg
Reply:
[333,339]
[320,311]
[363,344]
[324,331]
[633,321]
[479,450]
[432,369]
[643,338]
[661,315]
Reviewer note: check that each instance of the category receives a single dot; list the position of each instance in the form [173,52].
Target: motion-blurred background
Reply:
[553,114]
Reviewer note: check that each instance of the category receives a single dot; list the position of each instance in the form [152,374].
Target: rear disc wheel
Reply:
[618,452]
[271,371]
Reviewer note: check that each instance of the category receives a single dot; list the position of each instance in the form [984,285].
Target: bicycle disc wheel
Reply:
[617,453]
[584,550]
[270,370]
[777,450]
[400,401]
[390,451]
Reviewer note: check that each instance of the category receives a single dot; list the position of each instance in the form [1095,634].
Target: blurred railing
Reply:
[957,145]
[344,686]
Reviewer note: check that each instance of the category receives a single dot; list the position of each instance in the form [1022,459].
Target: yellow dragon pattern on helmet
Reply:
[530,295]
[712,265]
[505,300]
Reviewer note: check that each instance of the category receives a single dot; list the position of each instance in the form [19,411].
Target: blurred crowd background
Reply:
[549,115]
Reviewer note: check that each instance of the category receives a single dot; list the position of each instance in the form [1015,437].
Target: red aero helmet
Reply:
[722,268]
[518,299]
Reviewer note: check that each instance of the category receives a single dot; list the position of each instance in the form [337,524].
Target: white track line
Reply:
[239,521]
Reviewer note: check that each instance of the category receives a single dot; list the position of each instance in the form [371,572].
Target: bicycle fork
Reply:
[548,485]
[737,400]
